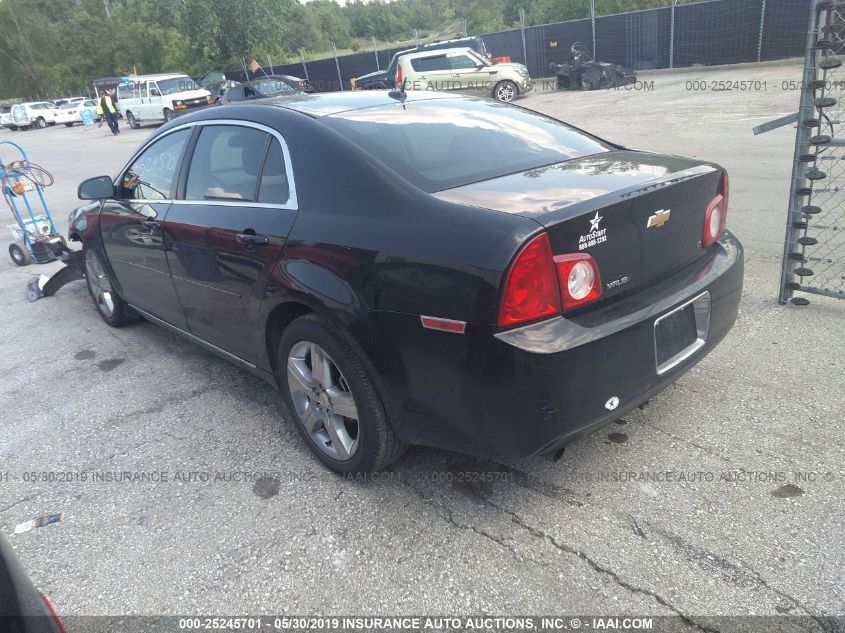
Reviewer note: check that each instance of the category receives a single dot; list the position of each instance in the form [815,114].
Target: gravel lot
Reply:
[749,522]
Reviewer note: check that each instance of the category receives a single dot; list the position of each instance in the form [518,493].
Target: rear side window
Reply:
[274,188]
[438,144]
[225,163]
[428,64]
[152,174]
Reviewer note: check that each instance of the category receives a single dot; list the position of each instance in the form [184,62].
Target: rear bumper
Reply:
[532,389]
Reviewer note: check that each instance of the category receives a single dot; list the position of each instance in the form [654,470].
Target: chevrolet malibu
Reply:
[418,268]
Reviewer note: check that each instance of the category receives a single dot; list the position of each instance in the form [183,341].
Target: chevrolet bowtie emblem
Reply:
[658,218]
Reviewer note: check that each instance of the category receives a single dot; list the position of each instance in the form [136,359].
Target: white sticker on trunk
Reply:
[595,236]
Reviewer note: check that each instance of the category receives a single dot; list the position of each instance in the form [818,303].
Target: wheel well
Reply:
[279,319]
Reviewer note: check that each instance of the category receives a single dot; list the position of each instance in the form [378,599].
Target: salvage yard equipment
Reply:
[34,233]
[582,72]
[36,238]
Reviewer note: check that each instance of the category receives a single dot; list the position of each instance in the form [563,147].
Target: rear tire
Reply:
[168,115]
[69,124]
[133,122]
[40,122]
[321,375]
[20,254]
[111,308]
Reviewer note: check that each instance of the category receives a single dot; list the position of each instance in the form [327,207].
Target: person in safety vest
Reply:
[107,110]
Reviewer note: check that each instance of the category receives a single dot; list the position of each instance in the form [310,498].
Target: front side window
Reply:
[225,163]
[152,175]
[463,62]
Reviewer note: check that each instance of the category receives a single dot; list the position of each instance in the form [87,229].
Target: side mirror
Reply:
[98,188]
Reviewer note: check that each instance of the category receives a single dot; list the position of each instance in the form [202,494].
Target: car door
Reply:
[153,108]
[469,73]
[225,235]
[131,227]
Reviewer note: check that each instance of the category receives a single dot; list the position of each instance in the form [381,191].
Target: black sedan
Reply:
[436,270]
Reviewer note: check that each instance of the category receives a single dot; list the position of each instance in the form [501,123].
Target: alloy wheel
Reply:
[505,93]
[323,401]
[100,285]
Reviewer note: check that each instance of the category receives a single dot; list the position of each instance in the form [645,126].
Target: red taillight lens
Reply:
[399,76]
[531,288]
[579,279]
[300,85]
[53,613]
[716,214]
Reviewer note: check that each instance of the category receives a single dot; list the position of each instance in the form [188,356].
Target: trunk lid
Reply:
[639,215]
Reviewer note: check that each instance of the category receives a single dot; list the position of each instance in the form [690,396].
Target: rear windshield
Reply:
[444,143]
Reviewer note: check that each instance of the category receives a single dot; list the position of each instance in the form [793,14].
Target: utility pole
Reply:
[522,31]
[672,38]
[304,65]
[375,52]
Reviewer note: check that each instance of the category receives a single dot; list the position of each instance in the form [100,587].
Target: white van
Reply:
[158,97]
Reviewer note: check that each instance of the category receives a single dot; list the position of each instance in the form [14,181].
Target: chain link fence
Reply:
[814,248]
[707,33]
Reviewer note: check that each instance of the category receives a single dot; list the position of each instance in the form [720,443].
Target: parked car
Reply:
[426,269]
[159,98]
[60,102]
[258,89]
[296,83]
[35,114]
[386,79]
[71,112]
[465,70]
[6,117]
[22,607]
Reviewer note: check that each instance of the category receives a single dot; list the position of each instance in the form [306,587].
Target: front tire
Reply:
[70,124]
[113,310]
[332,399]
[505,91]
[133,122]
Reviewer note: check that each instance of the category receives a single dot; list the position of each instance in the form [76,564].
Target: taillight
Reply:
[53,613]
[716,214]
[531,288]
[579,279]
[301,85]
[539,285]
[399,76]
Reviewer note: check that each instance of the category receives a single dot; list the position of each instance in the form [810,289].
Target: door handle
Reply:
[249,238]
